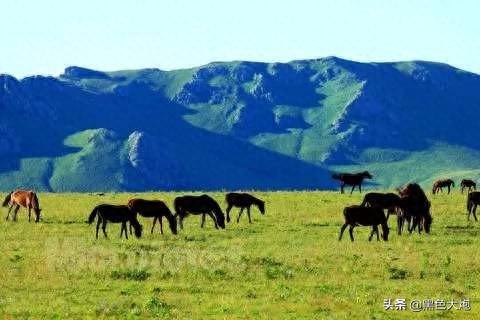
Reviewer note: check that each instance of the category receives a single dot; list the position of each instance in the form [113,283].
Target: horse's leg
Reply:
[99,221]
[239,215]
[353,188]
[153,225]
[371,234]
[15,212]
[448,189]
[399,224]
[161,224]
[378,234]
[351,232]
[104,228]
[360,188]
[341,231]
[342,185]
[248,213]
[228,212]
[203,220]
[124,226]
[29,213]
[121,230]
[9,210]
[474,209]
[181,222]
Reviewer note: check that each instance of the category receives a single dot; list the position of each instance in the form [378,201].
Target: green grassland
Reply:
[288,264]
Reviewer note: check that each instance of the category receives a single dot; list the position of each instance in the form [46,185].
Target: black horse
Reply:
[415,207]
[468,184]
[352,179]
[155,209]
[388,201]
[473,200]
[115,214]
[196,205]
[243,201]
[365,216]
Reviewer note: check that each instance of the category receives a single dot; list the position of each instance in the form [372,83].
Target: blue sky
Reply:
[43,37]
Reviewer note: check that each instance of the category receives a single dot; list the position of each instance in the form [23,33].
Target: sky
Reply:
[44,37]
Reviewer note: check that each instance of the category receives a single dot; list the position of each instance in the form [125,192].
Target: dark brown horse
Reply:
[197,205]
[115,214]
[352,179]
[473,200]
[22,198]
[243,201]
[443,183]
[155,209]
[365,216]
[468,184]
[388,201]
[415,207]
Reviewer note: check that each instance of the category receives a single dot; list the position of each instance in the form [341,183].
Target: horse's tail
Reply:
[92,216]
[453,183]
[7,200]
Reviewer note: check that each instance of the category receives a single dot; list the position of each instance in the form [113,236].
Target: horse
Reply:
[352,179]
[473,199]
[469,184]
[196,205]
[23,198]
[242,201]
[116,214]
[440,184]
[415,207]
[388,201]
[155,209]
[365,216]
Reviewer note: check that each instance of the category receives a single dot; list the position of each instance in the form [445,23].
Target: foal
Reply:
[115,214]
[22,198]
[242,201]
[155,209]
[365,216]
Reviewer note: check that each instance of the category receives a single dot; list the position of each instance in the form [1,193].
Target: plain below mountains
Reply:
[239,125]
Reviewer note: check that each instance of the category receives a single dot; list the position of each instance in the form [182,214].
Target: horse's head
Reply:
[220,219]
[37,214]
[172,222]
[367,175]
[138,230]
[261,207]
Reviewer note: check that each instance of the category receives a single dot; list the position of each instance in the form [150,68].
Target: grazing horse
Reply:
[440,184]
[469,184]
[365,216]
[416,207]
[196,205]
[242,201]
[22,198]
[115,214]
[352,179]
[473,200]
[155,209]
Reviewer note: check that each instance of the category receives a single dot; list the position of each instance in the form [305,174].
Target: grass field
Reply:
[287,265]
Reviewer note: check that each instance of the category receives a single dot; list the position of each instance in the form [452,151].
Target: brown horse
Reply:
[415,207]
[468,184]
[440,184]
[22,198]
[352,179]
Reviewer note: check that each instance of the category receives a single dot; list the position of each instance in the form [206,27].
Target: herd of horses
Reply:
[410,205]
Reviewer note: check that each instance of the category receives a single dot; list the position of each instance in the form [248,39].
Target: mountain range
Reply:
[239,125]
